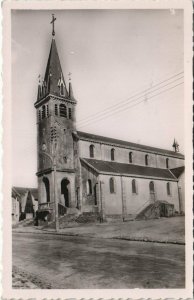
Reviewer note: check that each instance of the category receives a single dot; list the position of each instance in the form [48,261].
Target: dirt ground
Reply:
[71,262]
[167,230]
[163,230]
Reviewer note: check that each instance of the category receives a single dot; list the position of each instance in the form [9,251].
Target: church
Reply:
[83,173]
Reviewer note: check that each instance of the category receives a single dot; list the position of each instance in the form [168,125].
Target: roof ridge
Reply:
[126,169]
[131,144]
[128,164]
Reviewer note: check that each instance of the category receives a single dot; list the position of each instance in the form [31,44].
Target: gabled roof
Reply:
[132,146]
[21,191]
[177,171]
[115,168]
[14,193]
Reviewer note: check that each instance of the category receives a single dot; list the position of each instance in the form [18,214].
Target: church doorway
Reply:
[47,188]
[65,191]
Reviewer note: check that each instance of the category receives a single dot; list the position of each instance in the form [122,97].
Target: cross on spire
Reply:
[53,24]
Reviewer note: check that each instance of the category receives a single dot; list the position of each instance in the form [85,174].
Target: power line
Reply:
[106,114]
[146,91]
[119,111]
[127,102]
[124,109]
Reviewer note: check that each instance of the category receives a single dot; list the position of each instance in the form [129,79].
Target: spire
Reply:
[53,82]
[54,73]
[39,88]
[71,96]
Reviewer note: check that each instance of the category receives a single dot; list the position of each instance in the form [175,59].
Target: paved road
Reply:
[77,262]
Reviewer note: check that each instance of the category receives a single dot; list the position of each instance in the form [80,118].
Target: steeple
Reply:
[53,82]
[54,78]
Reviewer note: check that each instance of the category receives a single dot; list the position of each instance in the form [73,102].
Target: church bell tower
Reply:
[56,145]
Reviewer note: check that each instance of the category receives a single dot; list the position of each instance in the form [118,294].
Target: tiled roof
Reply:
[128,169]
[177,171]
[107,140]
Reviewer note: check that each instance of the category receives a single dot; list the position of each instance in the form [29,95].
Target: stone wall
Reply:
[130,203]
[103,152]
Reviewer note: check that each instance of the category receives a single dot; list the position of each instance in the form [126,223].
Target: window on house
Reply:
[167,163]
[152,188]
[91,151]
[70,114]
[130,157]
[89,187]
[134,186]
[112,154]
[168,188]
[43,112]
[112,185]
[56,109]
[63,110]
[146,159]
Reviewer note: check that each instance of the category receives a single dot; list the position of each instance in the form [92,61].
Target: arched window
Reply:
[112,154]
[47,188]
[168,189]
[167,163]
[151,186]
[43,112]
[91,151]
[130,157]
[63,110]
[56,109]
[70,114]
[62,89]
[134,186]
[65,192]
[112,185]
[89,187]
[146,159]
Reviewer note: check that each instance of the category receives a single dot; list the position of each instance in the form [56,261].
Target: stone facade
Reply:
[102,151]
[87,173]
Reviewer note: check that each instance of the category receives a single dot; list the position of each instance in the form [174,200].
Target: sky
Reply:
[112,55]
